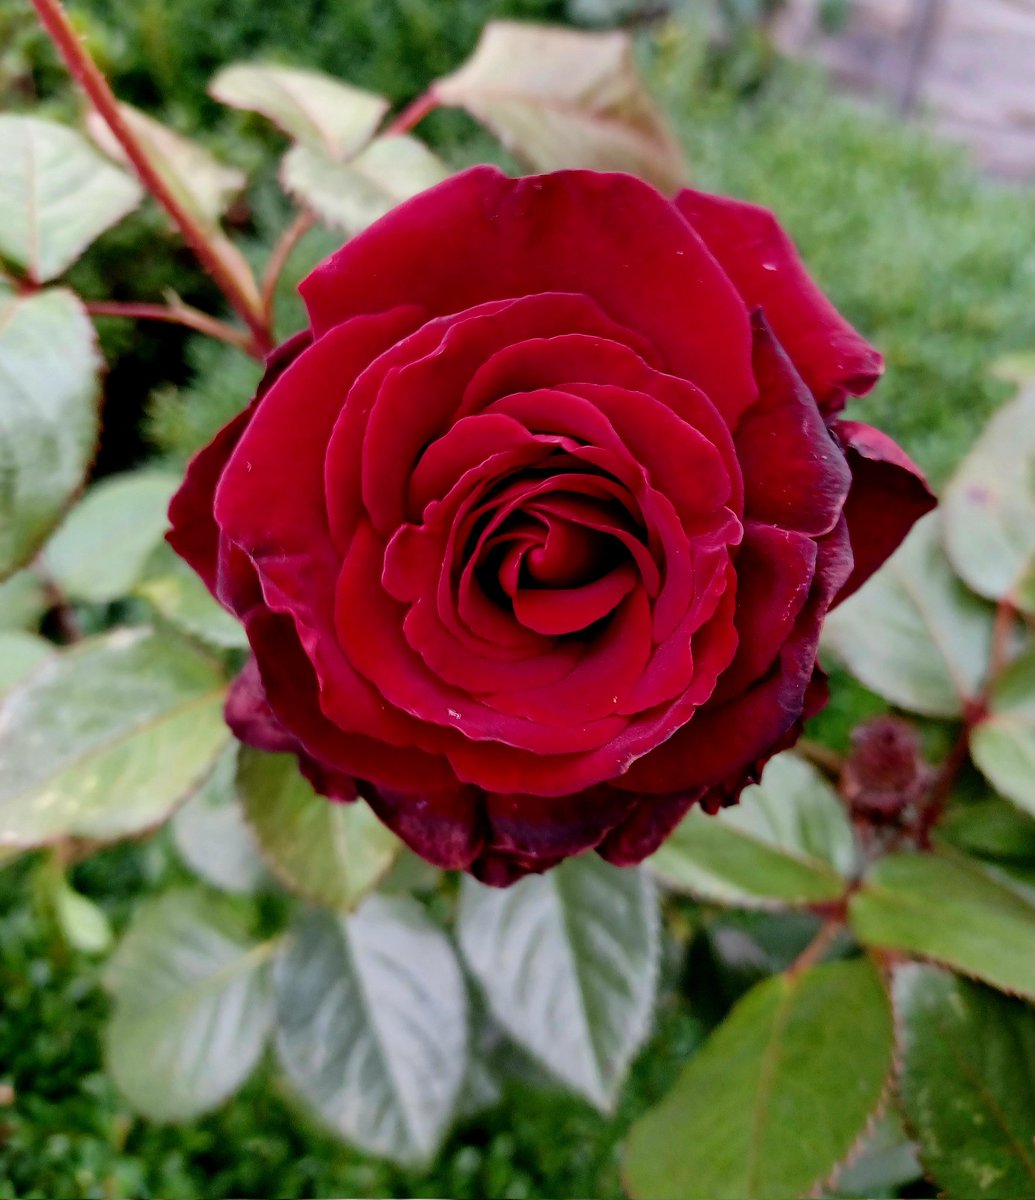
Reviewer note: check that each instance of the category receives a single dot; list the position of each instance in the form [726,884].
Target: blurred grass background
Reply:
[934,264]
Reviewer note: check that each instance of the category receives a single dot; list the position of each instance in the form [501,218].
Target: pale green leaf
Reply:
[1003,742]
[560,98]
[23,601]
[332,853]
[178,596]
[372,1025]
[20,654]
[104,739]
[913,633]
[992,829]
[989,505]
[212,836]
[57,194]
[778,1095]
[83,923]
[787,843]
[192,1007]
[200,181]
[882,1163]
[967,1082]
[568,963]
[101,547]
[355,194]
[952,910]
[309,106]
[49,388]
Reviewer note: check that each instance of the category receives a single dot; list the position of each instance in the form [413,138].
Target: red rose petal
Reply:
[483,236]
[761,260]
[888,495]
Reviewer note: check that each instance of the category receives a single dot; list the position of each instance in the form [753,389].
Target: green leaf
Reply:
[23,601]
[192,1006]
[49,387]
[82,922]
[559,98]
[56,195]
[101,547]
[372,1025]
[1002,744]
[951,910]
[212,836]
[992,829]
[104,739]
[178,596]
[787,843]
[330,852]
[778,1095]
[913,633]
[967,1083]
[20,653]
[202,183]
[989,505]
[355,194]
[568,963]
[309,106]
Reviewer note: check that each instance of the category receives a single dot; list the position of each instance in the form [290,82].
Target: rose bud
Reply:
[533,531]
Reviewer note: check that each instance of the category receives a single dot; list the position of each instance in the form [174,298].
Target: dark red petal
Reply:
[794,474]
[761,260]
[483,236]
[250,717]
[446,827]
[292,693]
[553,827]
[649,823]
[724,739]
[888,495]
[775,570]
[194,534]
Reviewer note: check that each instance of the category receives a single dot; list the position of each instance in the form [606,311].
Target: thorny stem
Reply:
[86,73]
[176,314]
[412,114]
[288,240]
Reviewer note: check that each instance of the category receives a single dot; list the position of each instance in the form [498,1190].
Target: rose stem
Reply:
[175,315]
[288,240]
[412,114]
[89,77]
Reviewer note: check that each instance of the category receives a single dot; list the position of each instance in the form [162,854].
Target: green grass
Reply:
[934,264]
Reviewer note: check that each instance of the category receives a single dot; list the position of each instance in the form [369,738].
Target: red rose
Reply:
[534,531]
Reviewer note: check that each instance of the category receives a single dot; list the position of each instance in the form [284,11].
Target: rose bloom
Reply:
[534,529]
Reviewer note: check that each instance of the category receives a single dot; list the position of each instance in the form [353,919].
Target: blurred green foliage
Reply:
[66,1132]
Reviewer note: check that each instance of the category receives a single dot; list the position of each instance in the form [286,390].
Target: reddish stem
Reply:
[177,315]
[412,114]
[86,73]
[288,240]
[1005,615]
[819,945]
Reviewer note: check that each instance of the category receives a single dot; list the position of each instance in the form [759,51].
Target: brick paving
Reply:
[966,65]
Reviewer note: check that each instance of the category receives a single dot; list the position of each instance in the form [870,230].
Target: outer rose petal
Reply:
[483,236]
[194,534]
[761,260]
[887,497]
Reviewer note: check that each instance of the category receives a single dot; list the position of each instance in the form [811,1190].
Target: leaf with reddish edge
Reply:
[777,1097]
[967,1083]
[953,910]
[561,98]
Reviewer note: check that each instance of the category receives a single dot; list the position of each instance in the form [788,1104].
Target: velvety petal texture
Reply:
[533,531]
